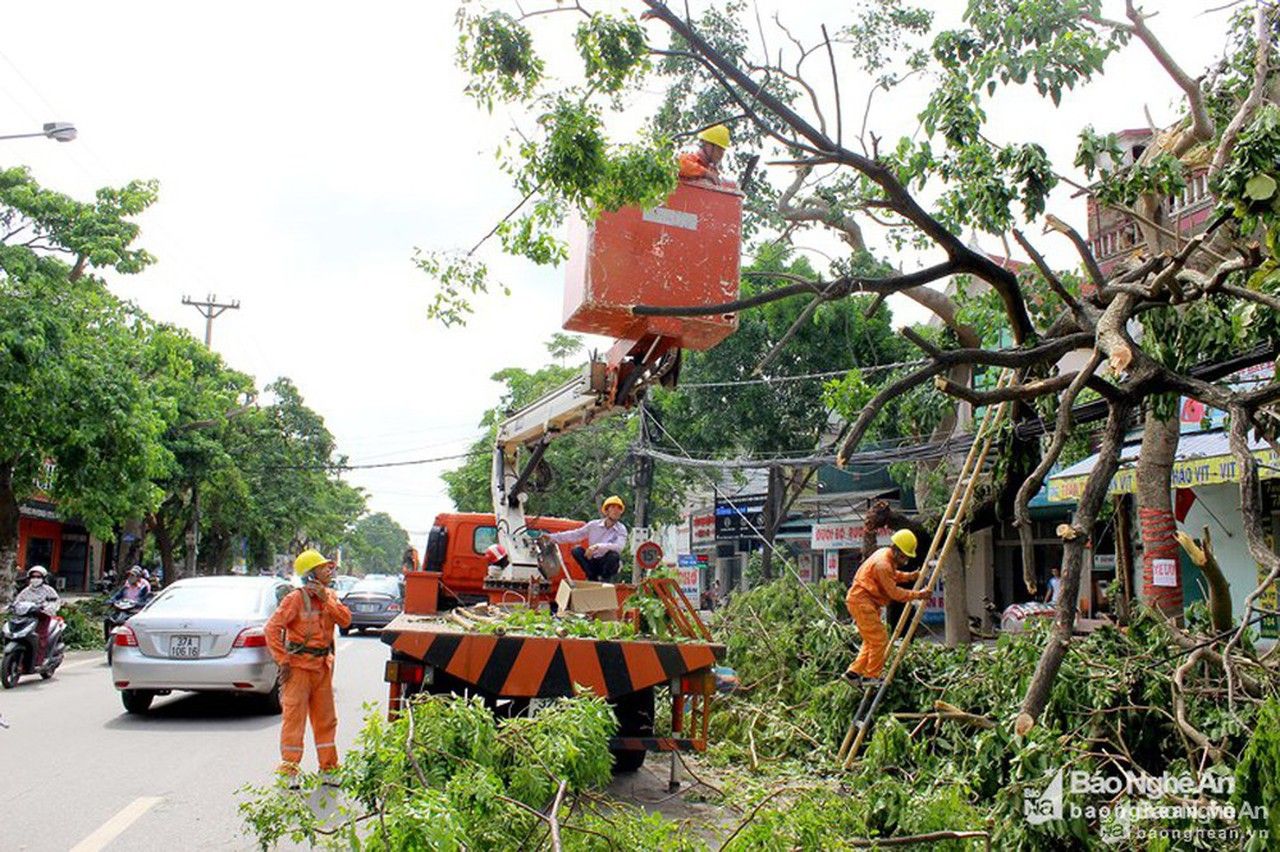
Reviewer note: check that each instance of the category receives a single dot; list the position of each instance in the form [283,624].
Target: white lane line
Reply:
[116,826]
[342,646]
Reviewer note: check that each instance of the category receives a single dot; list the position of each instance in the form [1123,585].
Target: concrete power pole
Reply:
[210,309]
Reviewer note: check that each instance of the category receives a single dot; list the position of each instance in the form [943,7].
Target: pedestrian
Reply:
[604,537]
[300,637]
[716,593]
[1054,591]
[875,584]
[409,562]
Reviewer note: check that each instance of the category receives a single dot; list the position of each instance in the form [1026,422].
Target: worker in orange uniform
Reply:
[875,584]
[300,636]
[704,163]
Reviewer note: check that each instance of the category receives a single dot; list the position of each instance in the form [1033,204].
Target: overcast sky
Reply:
[304,149]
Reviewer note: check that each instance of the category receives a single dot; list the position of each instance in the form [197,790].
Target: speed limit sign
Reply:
[649,555]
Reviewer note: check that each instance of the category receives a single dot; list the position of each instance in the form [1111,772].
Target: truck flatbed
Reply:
[518,666]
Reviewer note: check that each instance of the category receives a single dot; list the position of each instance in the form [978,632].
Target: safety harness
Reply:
[306,648]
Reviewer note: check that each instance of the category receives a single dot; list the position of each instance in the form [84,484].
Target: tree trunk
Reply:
[1074,536]
[1124,559]
[164,544]
[8,534]
[1155,510]
[772,519]
[954,604]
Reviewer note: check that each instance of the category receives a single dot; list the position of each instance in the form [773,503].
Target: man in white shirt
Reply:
[604,538]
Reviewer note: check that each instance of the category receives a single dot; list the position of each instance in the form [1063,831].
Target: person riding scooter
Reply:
[127,600]
[44,596]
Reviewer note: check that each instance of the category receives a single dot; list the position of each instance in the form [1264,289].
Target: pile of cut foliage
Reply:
[449,776]
[1111,712]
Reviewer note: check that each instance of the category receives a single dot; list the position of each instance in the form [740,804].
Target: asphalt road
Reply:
[78,773]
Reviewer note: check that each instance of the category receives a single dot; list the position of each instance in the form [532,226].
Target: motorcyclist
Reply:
[135,588]
[39,592]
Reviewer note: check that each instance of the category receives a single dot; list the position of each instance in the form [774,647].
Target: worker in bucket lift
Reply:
[704,163]
[875,584]
[604,538]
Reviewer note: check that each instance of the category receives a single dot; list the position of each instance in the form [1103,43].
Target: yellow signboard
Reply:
[1187,473]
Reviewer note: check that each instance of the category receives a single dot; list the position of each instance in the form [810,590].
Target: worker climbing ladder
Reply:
[940,548]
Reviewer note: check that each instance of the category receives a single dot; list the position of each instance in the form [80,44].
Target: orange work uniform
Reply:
[300,635]
[693,166]
[875,584]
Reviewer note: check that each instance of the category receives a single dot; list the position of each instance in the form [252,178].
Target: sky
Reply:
[304,150]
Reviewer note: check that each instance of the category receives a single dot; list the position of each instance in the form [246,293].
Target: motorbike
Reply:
[21,644]
[119,612]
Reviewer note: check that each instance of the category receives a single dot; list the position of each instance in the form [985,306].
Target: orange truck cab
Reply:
[455,554]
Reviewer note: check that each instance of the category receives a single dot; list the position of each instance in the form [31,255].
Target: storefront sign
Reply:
[739,518]
[690,570]
[1104,562]
[704,529]
[832,569]
[1187,473]
[1164,572]
[836,536]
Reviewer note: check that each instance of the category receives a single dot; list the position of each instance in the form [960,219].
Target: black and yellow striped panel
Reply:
[546,667]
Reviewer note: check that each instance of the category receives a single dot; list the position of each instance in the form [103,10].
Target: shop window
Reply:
[39,552]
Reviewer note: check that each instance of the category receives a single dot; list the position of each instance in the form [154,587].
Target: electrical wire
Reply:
[784,560]
[871,370]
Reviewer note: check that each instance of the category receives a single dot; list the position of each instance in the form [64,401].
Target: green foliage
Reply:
[776,418]
[376,544]
[578,461]
[1258,772]
[535,622]
[84,624]
[1110,698]
[447,775]
[72,390]
[1247,184]
[497,51]
[612,49]
[459,277]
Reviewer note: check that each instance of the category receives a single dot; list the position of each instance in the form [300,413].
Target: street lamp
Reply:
[63,131]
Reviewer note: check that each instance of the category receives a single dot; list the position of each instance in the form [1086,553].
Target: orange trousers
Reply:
[875,639]
[308,692]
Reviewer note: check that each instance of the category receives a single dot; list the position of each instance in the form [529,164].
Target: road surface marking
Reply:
[116,826]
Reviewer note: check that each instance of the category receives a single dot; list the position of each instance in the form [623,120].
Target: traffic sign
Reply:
[649,555]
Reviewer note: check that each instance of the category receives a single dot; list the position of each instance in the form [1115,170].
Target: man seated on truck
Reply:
[602,556]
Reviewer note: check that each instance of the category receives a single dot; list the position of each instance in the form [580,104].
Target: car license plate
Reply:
[366,607]
[186,647]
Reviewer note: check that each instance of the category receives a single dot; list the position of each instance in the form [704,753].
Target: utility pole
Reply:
[210,309]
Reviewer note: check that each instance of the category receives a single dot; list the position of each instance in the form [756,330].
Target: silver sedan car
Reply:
[375,601]
[203,634]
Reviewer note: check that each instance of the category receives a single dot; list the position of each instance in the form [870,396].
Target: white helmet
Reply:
[37,571]
[136,571]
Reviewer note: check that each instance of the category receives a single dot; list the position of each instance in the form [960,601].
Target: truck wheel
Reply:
[635,719]
[137,700]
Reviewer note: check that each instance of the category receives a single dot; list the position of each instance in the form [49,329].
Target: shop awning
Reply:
[1204,458]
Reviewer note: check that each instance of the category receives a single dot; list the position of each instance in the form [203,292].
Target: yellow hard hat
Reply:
[905,540]
[308,561]
[717,135]
[615,500]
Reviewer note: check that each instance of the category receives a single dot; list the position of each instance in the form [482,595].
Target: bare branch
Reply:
[1053,223]
[1261,67]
